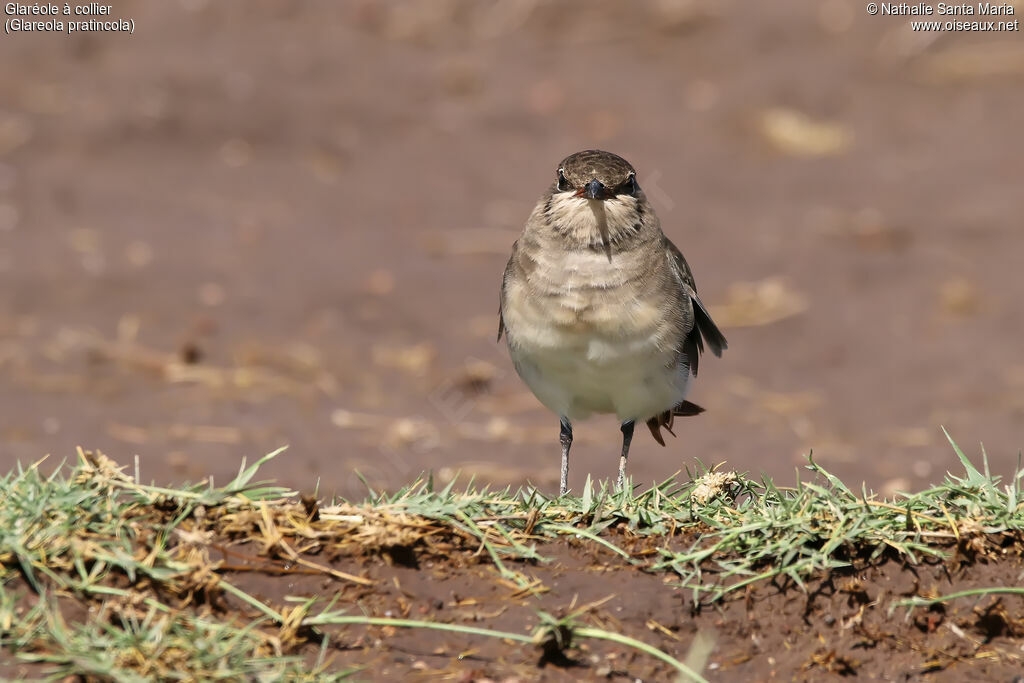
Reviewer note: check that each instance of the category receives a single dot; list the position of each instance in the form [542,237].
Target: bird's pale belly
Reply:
[579,370]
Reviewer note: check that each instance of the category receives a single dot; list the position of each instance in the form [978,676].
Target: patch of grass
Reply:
[135,561]
[156,643]
[747,530]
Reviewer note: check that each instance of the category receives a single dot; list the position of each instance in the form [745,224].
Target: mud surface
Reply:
[316,204]
[845,625]
[850,624]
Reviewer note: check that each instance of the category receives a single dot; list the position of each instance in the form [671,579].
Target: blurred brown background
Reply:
[252,224]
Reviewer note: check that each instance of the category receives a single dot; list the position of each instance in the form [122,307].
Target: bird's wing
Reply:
[704,328]
[501,295]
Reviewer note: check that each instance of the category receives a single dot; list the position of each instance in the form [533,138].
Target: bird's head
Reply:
[596,175]
[596,202]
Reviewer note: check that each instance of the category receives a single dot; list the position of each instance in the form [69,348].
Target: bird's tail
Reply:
[665,419]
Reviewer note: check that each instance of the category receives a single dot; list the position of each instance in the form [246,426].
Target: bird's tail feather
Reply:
[665,419]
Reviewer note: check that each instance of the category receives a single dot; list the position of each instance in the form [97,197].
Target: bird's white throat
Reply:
[593,222]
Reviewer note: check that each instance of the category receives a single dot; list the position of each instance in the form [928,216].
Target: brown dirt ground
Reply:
[842,625]
[251,224]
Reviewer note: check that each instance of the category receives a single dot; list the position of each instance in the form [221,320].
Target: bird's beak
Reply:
[593,190]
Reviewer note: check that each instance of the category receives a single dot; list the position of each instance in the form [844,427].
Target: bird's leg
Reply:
[565,438]
[627,437]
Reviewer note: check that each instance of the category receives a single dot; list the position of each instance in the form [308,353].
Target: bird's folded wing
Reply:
[704,328]
[501,295]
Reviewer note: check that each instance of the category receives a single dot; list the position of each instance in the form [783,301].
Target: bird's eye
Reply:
[629,185]
[563,184]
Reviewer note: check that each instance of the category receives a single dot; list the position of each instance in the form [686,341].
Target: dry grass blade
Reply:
[270,530]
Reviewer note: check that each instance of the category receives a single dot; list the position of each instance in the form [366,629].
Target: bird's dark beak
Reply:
[594,190]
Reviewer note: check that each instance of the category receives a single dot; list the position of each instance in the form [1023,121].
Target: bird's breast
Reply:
[582,301]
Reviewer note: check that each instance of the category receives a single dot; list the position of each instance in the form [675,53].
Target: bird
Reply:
[599,309]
